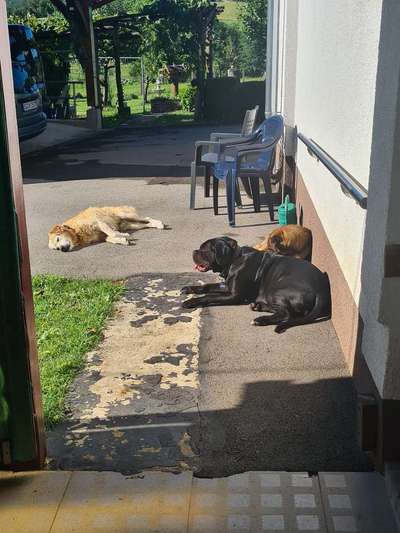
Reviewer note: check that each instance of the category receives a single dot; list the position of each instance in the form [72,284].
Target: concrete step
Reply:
[255,502]
[356,501]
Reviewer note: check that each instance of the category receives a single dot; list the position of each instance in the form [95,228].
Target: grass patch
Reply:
[70,318]
[230,15]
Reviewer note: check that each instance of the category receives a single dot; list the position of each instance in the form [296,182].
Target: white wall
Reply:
[342,89]
[379,303]
[334,93]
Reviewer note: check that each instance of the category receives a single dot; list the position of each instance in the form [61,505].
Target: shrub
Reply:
[188,98]
[226,99]
[162,104]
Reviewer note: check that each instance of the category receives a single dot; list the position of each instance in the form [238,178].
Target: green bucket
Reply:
[287,213]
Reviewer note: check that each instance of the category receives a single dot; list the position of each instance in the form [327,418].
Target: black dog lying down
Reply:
[293,290]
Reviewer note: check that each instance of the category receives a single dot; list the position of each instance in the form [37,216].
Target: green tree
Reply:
[226,44]
[180,31]
[253,23]
[38,8]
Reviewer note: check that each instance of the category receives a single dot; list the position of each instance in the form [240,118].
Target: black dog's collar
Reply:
[267,258]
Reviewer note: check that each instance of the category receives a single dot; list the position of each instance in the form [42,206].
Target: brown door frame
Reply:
[19,205]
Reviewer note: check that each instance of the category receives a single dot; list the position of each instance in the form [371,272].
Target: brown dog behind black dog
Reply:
[292,239]
[294,291]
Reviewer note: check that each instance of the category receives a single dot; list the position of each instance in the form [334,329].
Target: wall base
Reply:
[344,309]
[378,418]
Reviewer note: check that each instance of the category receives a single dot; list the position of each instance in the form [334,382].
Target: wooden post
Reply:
[29,448]
[118,79]
[80,16]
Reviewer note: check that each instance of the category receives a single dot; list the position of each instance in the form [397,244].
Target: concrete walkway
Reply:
[254,400]
[49,203]
[126,152]
[56,133]
[252,502]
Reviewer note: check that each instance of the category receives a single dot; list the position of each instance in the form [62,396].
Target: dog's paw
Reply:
[119,240]
[153,223]
[189,304]
[186,290]
[254,306]
[259,321]
[280,329]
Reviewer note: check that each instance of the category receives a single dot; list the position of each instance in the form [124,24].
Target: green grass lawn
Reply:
[230,14]
[70,318]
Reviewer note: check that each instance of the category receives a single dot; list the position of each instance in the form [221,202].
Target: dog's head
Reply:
[216,255]
[276,243]
[62,237]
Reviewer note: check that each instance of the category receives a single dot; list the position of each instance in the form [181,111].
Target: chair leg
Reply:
[270,200]
[215,195]
[207,181]
[238,198]
[255,189]
[230,197]
[246,185]
[193,176]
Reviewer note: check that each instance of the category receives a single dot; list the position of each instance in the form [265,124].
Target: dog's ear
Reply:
[224,250]
[230,242]
[276,239]
[65,226]
[56,228]
[275,242]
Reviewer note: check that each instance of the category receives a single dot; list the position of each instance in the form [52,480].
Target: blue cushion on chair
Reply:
[221,168]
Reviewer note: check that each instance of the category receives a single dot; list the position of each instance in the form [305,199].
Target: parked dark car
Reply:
[29,85]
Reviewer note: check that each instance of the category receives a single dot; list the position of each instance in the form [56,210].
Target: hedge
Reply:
[227,99]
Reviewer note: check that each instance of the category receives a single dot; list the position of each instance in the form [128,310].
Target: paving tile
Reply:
[257,502]
[356,502]
[110,502]
[29,500]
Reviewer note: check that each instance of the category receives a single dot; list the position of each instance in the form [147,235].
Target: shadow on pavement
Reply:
[278,425]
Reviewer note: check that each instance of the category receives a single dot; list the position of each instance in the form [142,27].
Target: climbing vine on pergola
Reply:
[192,20]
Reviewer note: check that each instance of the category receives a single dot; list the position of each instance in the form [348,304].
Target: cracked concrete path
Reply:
[174,389]
[131,406]
[160,392]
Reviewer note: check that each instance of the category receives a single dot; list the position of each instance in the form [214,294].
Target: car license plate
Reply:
[30,106]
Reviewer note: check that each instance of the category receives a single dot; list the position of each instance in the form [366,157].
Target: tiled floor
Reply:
[255,502]
[356,502]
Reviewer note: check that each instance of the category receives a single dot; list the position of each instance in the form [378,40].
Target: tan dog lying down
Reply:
[291,240]
[99,224]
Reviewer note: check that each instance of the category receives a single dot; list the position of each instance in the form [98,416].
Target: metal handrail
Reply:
[349,184]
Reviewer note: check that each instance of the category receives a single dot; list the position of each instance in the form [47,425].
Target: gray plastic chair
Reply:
[207,152]
[249,122]
[252,161]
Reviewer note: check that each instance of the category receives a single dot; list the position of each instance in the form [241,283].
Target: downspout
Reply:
[269,67]
[275,49]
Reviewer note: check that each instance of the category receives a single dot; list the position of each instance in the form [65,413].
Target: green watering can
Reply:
[287,213]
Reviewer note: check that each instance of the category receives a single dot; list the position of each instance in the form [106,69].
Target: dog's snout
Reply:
[65,247]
